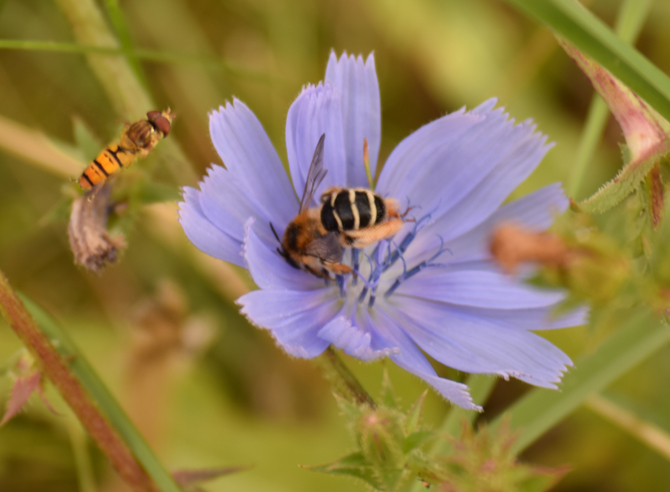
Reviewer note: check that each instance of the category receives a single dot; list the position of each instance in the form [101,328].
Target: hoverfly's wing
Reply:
[314,176]
[327,248]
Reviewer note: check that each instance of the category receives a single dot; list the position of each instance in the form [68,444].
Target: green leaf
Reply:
[353,465]
[625,183]
[541,409]
[350,410]
[416,439]
[592,36]
[387,394]
[414,414]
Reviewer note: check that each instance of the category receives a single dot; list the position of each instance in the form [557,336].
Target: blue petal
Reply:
[411,359]
[294,318]
[357,338]
[361,111]
[461,181]
[269,269]
[477,289]
[471,343]
[535,212]
[203,234]
[409,165]
[316,111]
[254,180]
[226,204]
[530,318]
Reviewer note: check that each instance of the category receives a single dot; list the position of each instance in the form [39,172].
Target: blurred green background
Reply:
[161,327]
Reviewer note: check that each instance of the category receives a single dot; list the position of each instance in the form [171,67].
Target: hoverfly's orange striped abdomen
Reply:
[137,140]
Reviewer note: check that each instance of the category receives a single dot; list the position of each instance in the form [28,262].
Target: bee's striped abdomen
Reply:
[351,209]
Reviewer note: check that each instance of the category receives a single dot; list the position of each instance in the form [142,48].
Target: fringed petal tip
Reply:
[203,233]
[456,393]
[341,333]
[293,317]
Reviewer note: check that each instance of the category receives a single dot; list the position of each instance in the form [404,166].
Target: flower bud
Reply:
[380,436]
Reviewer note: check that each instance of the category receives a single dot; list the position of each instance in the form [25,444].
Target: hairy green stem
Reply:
[630,19]
[480,386]
[343,382]
[594,38]
[82,390]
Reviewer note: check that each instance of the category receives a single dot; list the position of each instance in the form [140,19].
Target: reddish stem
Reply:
[56,368]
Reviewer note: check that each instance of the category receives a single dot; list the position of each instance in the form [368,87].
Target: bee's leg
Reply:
[369,235]
[337,268]
[393,210]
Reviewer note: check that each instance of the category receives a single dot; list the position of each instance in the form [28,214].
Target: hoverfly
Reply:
[137,140]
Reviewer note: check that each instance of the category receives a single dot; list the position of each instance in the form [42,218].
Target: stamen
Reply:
[340,283]
[366,163]
[406,241]
[424,264]
[354,262]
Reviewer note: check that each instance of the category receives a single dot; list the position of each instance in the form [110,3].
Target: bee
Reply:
[306,245]
[359,216]
[348,217]
[137,140]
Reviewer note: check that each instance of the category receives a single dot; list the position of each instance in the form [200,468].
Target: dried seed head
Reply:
[90,242]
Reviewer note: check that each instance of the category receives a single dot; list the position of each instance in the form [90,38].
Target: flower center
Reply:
[372,267]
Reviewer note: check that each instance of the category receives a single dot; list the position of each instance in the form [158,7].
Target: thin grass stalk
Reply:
[118,79]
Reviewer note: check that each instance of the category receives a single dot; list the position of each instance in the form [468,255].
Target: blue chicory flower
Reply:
[431,288]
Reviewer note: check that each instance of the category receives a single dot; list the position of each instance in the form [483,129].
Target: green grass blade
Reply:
[541,409]
[120,26]
[588,33]
[208,62]
[648,433]
[103,398]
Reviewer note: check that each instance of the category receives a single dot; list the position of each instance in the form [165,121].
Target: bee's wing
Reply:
[327,248]
[314,176]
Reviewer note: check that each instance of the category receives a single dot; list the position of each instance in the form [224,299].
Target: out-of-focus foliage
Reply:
[205,387]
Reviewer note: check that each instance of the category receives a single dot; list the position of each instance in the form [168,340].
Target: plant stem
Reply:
[97,410]
[114,72]
[118,79]
[649,434]
[344,383]
[630,19]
